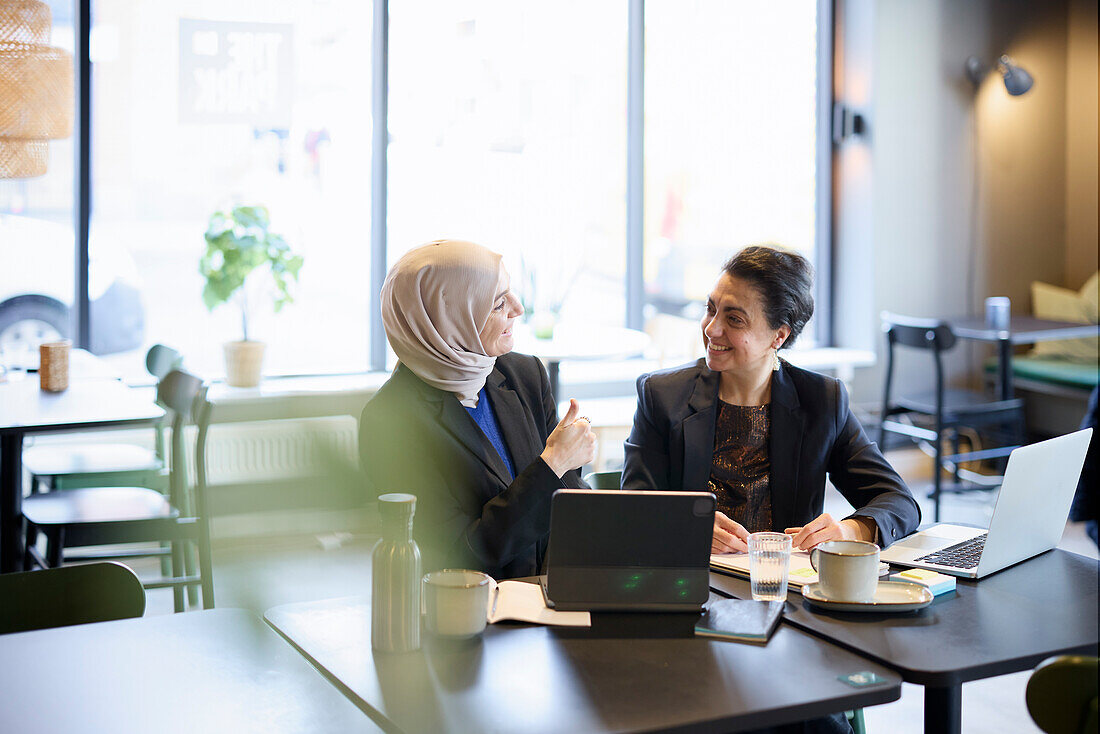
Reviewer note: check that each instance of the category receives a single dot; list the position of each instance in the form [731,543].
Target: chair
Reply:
[604,479]
[117,515]
[66,466]
[56,597]
[948,410]
[1061,695]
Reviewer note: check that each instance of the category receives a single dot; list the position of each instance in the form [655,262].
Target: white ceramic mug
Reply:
[456,601]
[847,569]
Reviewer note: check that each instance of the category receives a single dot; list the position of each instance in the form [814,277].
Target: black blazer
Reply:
[813,432]
[418,439]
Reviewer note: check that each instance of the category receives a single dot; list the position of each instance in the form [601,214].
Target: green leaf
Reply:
[238,243]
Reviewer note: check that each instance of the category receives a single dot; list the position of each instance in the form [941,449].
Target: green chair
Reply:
[1061,695]
[56,597]
[98,516]
[604,479]
[69,466]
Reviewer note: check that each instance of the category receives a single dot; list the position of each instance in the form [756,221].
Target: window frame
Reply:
[633,284]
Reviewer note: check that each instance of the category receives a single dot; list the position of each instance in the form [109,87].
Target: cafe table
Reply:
[221,670]
[573,341]
[531,679]
[25,409]
[1000,624]
[1021,330]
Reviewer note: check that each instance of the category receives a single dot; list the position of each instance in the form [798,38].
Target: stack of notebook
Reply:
[740,620]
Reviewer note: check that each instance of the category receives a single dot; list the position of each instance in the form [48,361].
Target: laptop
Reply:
[1028,519]
[629,551]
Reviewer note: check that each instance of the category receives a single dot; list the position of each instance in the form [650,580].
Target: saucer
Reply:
[890,596]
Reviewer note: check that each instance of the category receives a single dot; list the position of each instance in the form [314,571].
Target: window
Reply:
[508,128]
[507,125]
[37,258]
[200,107]
[730,140]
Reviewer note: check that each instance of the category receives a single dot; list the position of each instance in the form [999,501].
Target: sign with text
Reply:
[236,72]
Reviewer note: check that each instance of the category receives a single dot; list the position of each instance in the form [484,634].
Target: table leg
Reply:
[552,370]
[1004,368]
[11,501]
[943,709]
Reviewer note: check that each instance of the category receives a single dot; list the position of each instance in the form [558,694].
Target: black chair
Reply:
[1062,695]
[946,410]
[68,466]
[98,516]
[56,597]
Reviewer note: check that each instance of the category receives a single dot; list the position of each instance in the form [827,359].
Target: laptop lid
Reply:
[1033,504]
[1028,517]
[619,550]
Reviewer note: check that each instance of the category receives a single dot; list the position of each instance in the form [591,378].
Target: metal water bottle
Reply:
[395,571]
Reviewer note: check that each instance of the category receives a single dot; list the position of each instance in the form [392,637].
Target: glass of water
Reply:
[769,562]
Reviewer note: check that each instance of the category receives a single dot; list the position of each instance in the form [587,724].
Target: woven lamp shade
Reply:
[36,89]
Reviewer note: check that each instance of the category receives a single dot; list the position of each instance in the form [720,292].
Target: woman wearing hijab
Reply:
[761,433]
[464,423]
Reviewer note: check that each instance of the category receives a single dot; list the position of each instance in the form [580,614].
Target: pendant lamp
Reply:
[36,89]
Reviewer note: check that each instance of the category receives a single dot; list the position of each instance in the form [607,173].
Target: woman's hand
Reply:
[824,527]
[729,536]
[571,444]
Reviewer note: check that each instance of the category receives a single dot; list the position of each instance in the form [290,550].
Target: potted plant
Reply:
[238,248]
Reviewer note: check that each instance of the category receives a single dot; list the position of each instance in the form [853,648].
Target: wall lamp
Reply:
[1017,80]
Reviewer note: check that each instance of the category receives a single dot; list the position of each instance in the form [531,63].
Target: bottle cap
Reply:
[396,505]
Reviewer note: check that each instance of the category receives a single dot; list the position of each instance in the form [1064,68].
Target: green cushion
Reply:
[1056,371]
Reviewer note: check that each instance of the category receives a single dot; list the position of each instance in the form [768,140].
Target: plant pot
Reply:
[243,363]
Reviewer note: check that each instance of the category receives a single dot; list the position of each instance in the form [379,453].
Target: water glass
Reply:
[769,562]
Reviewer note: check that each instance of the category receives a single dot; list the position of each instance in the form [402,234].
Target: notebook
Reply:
[629,551]
[740,620]
[1028,519]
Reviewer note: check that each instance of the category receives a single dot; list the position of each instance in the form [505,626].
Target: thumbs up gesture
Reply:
[571,444]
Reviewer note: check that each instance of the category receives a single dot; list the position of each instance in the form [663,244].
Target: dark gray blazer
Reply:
[813,433]
[418,439]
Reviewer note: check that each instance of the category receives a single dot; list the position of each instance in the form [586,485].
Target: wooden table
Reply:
[1004,623]
[1021,330]
[523,678]
[221,670]
[26,409]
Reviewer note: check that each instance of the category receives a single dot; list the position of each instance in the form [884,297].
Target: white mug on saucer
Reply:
[456,602]
[847,569]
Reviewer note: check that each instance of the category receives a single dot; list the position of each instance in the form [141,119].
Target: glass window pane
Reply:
[200,106]
[508,128]
[37,259]
[730,140]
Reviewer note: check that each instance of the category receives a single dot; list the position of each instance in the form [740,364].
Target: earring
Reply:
[775,359]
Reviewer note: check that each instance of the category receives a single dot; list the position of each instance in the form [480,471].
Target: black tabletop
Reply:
[1004,623]
[1021,330]
[215,671]
[538,679]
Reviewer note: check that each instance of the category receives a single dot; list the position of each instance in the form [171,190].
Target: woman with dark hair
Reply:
[464,423]
[758,432]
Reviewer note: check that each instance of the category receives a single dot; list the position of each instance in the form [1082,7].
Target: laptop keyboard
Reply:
[961,555]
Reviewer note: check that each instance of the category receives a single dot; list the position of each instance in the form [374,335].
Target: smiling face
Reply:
[496,335]
[735,328]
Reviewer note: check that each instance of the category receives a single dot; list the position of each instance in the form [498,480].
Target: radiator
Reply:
[269,451]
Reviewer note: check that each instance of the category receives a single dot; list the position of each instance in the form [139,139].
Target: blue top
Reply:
[486,419]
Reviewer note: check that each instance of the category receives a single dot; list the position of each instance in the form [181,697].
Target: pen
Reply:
[496,597]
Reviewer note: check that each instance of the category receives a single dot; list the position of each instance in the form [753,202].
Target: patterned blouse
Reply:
[739,474]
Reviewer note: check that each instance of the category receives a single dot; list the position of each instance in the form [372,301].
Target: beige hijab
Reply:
[435,301]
